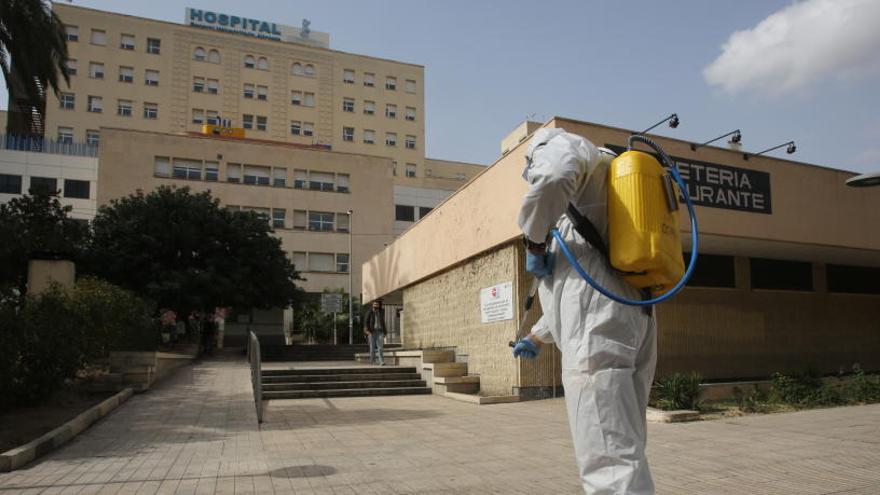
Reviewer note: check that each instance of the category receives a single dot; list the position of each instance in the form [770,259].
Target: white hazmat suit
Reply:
[609,350]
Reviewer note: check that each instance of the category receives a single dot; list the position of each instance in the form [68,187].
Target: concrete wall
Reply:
[29,164]
[43,273]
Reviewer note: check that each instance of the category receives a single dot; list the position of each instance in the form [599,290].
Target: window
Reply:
[126,41]
[65,135]
[198,84]
[850,279]
[712,270]
[369,107]
[390,139]
[71,33]
[262,213]
[187,169]
[410,169]
[410,142]
[162,166]
[248,90]
[261,123]
[424,210]
[214,57]
[151,77]
[96,70]
[391,111]
[67,101]
[369,136]
[321,262]
[154,45]
[46,185]
[262,93]
[348,104]
[410,86]
[299,260]
[300,219]
[71,66]
[99,37]
[343,221]
[348,133]
[212,171]
[369,79]
[263,63]
[279,177]
[300,177]
[199,54]
[403,213]
[342,183]
[320,221]
[297,69]
[213,86]
[342,262]
[126,74]
[295,127]
[76,189]
[308,129]
[233,173]
[781,275]
[96,104]
[309,70]
[93,137]
[151,111]
[296,97]
[10,184]
[254,174]
[123,108]
[247,121]
[309,100]
[249,62]
[391,83]
[410,113]
[321,181]
[348,76]
[198,116]
[278,218]
[212,117]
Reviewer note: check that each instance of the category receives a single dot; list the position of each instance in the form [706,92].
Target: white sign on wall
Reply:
[496,303]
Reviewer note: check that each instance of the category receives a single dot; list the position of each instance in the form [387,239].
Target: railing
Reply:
[40,144]
[256,373]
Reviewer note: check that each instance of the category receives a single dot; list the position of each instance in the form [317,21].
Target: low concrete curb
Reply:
[680,416]
[19,456]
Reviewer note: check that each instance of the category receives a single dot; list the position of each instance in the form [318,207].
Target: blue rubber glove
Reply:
[526,348]
[539,264]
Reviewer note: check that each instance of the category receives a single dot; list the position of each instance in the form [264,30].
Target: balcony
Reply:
[38,144]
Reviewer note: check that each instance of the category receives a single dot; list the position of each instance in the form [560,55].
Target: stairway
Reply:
[310,383]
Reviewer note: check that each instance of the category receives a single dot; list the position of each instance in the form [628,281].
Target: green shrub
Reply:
[805,390]
[115,318]
[752,401]
[863,388]
[678,391]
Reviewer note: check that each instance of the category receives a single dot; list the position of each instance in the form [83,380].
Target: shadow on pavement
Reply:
[304,471]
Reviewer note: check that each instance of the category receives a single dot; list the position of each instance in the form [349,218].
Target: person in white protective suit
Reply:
[609,350]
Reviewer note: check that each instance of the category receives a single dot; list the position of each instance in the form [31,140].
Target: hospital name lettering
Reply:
[232,23]
[732,188]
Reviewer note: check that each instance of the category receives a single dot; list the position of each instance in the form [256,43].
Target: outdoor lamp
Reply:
[673,123]
[864,180]
[735,138]
[790,148]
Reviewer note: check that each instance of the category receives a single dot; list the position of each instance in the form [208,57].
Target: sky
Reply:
[807,71]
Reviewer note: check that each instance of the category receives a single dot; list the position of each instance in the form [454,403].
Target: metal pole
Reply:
[350,272]
[335,340]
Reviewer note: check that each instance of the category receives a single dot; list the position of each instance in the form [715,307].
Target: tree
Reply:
[318,326]
[33,52]
[33,224]
[185,253]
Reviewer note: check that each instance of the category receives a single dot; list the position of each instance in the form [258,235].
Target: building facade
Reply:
[785,280]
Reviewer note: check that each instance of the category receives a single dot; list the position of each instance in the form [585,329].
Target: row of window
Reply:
[369,80]
[126,41]
[348,105]
[184,168]
[719,271]
[313,221]
[125,73]
[79,189]
[369,137]
[321,262]
[405,213]
[95,104]
[65,136]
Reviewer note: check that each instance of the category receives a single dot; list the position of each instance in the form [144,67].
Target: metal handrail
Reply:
[41,144]
[256,372]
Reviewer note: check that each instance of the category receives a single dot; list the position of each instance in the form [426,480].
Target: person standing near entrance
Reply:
[374,328]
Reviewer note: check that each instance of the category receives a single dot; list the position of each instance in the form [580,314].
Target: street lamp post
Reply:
[350,272]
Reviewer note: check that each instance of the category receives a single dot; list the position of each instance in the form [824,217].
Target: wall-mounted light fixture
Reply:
[864,180]
[673,123]
[735,138]
[791,148]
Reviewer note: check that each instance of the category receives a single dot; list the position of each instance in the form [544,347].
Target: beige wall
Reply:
[4,115]
[42,274]
[127,164]
[28,164]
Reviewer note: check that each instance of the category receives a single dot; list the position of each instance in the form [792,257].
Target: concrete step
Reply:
[348,377]
[272,387]
[360,392]
[366,370]
[447,369]
[469,384]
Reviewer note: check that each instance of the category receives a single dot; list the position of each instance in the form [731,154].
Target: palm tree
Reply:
[33,52]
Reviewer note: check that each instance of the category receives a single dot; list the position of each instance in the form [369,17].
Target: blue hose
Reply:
[694,240]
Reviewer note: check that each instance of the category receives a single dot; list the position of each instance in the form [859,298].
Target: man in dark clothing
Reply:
[374,329]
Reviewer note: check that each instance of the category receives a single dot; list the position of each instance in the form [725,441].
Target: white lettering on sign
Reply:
[496,303]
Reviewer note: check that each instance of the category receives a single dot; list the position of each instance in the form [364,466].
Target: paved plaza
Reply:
[197,433]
